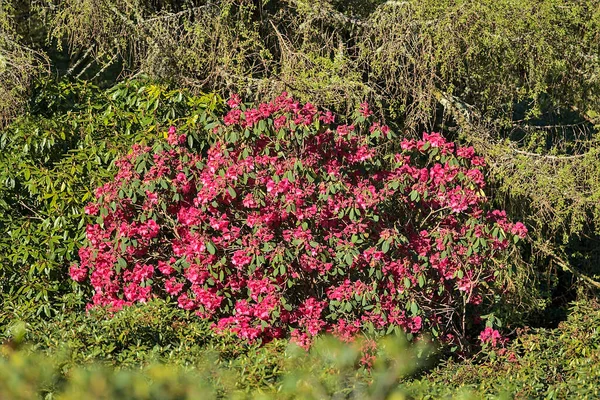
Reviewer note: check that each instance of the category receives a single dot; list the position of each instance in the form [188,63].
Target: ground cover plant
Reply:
[537,363]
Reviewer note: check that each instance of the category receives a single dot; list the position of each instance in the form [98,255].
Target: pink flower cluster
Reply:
[491,336]
[298,227]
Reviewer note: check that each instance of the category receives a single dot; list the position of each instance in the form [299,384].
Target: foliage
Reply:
[276,370]
[53,158]
[289,221]
[19,65]
[541,363]
[146,334]
[330,370]
[517,80]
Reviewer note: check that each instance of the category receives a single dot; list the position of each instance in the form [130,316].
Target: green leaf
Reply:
[414,309]
[349,259]
[385,247]
[211,247]
[231,192]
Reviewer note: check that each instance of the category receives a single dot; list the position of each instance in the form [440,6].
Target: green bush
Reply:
[52,158]
[542,363]
[332,369]
[145,334]
[539,363]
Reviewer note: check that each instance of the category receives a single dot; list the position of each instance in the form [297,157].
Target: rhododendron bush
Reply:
[294,223]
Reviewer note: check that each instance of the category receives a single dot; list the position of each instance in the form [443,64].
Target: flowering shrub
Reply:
[292,224]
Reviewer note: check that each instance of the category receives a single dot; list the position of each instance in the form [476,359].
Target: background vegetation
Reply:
[82,80]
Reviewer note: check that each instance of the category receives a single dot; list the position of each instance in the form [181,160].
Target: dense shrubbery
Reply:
[291,222]
[189,362]
[542,363]
[538,364]
[516,80]
[531,109]
[146,334]
[51,160]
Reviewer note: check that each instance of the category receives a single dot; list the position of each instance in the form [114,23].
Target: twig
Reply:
[105,67]
[70,70]
[177,14]
[465,116]
[567,267]
[550,157]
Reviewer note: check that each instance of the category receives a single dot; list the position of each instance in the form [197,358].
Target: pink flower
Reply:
[78,273]
[519,229]
[280,122]
[185,302]
[364,110]
[435,139]
[465,152]
[240,259]
[233,117]
[234,101]
[343,130]
[491,336]
[327,118]
[346,331]
[173,287]
[165,268]
[91,209]
[173,139]
[414,324]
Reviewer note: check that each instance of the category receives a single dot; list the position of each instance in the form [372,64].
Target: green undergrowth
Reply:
[153,351]
[51,160]
[539,363]
[147,334]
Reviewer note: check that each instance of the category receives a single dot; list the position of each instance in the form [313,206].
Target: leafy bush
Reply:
[542,363]
[52,158]
[331,369]
[291,223]
[146,334]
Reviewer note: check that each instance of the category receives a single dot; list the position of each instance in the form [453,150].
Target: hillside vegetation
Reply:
[190,189]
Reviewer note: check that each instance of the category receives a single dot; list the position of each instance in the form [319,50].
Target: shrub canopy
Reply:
[291,222]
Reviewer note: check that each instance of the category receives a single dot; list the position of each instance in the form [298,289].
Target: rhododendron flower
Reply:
[233,117]
[280,122]
[414,324]
[78,273]
[327,118]
[234,101]
[364,110]
[173,287]
[343,130]
[240,258]
[185,302]
[346,331]
[173,139]
[92,209]
[165,268]
[491,336]
[519,229]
